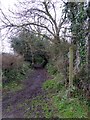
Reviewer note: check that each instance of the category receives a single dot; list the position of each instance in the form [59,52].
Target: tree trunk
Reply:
[88,95]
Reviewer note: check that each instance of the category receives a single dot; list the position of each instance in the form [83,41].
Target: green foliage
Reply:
[48,111]
[81,76]
[27,43]
[50,84]
[16,74]
[38,107]
[13,86]
[12,74]
[25,67]
[54,84]
[70,108]
[52,70]
[38,59]
[14,77]
[77,19]
[63,106]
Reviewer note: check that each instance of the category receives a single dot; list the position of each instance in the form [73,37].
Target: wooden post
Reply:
[71,66]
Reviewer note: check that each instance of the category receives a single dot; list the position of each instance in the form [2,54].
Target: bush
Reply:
[15,74]
[54,84]
[52,69]
[13,77]
[63,106]
[70,108]
[50,84]
[13,86]
[14,68]
[10,61]
[82,83]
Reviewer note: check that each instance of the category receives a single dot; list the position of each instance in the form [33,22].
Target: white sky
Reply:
[5,5]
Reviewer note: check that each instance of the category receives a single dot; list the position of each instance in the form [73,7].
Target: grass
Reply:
[13,86]
[52,70]
[63,106]
[38,107]
[70,108]
[50,84]
[54,103]
[54,84]
[0,85]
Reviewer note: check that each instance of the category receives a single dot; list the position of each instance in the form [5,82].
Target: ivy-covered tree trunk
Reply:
[89,51]
[88,96]
[72,10]
[76,16]
[88,14]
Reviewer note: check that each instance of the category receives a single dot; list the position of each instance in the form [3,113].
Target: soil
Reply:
[33,87]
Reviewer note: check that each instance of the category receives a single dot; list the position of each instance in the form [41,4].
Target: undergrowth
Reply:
[64,106]
[13,77]
[52,70]
[54,103]
[70,108]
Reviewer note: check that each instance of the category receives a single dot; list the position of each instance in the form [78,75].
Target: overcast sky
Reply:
[5,5]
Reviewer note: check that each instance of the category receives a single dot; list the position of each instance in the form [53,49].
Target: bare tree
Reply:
[42,17]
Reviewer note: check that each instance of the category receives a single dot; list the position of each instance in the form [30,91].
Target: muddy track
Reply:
[33,88]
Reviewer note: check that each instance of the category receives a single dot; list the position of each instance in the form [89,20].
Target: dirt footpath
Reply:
[33,88]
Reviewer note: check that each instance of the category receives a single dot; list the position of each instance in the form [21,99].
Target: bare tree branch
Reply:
[36,18]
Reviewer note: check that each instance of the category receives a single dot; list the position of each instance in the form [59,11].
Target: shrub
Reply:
[54,84]
[14,68]
[50,84]
[70,108]
[52,69]
[13,77]
[10,61]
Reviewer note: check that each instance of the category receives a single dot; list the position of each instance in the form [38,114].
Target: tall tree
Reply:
[76,16]
[72,11]
[88,14]
[88,97]
[35,15]
[43,17]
